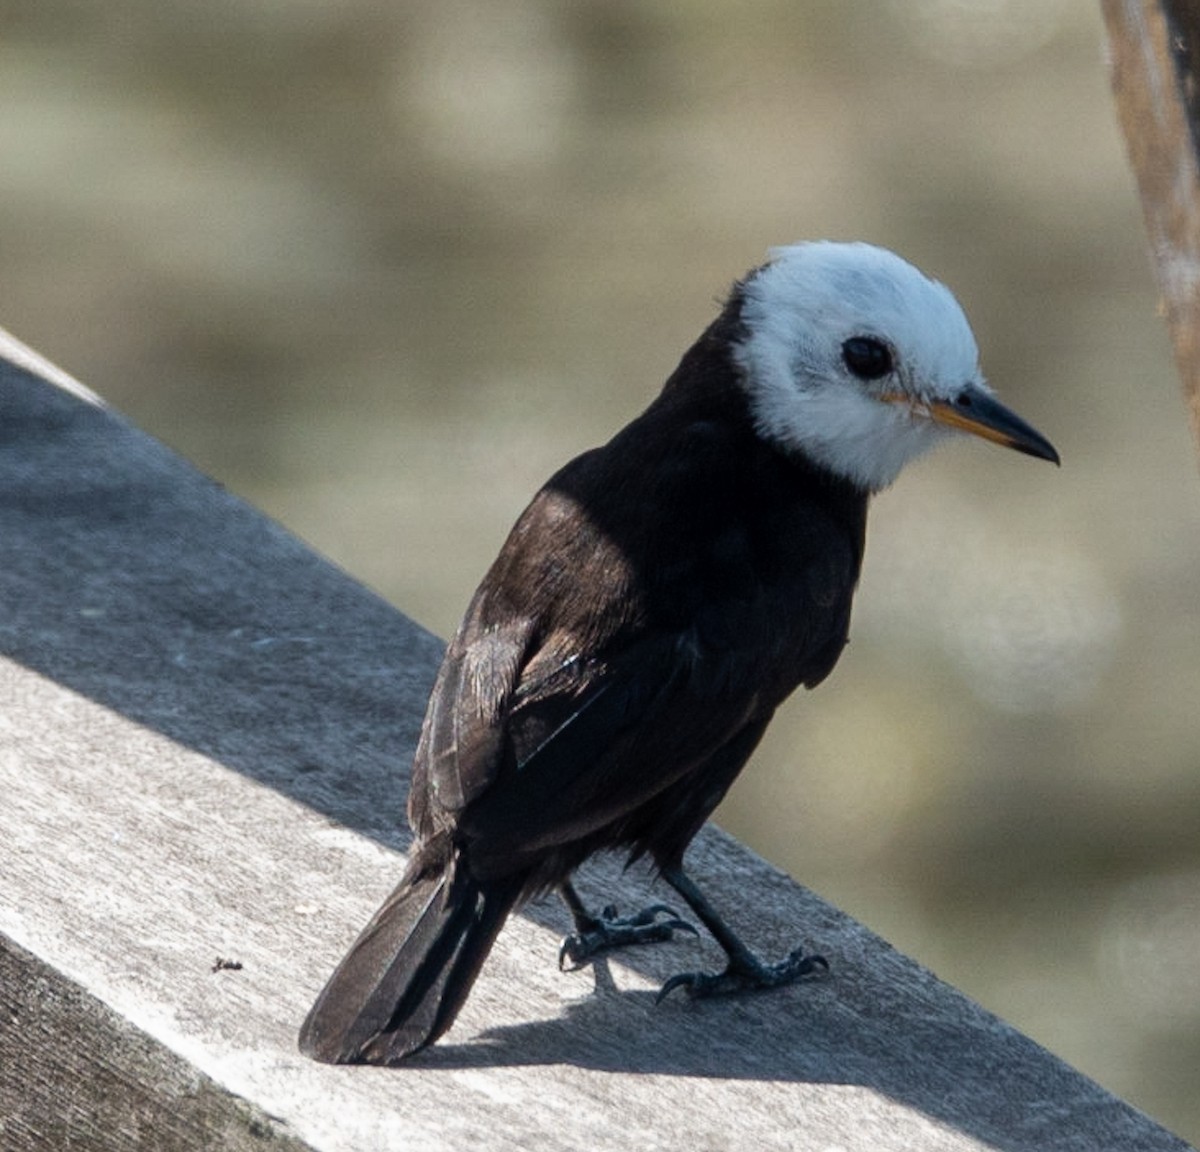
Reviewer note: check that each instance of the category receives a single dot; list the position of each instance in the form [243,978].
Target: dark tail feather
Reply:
[406,976]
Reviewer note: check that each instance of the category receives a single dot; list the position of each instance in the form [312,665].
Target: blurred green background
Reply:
[381,266]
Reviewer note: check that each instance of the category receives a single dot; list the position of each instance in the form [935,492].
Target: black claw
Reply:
[681,926]
[744,976]
[608,931]
[677,981]
[648,918]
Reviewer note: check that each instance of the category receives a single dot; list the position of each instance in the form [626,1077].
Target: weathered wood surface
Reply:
[1154,51]
[202,753]
[78,1076]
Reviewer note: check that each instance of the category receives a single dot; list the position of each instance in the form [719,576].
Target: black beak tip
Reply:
[1045,451]
[1040,449]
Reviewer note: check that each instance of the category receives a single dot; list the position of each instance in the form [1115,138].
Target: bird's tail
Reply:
[406,976]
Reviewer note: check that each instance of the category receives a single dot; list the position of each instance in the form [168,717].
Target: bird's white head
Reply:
[861,362]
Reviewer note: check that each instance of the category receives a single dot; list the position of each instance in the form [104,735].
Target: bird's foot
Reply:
[745,974]
[603,933]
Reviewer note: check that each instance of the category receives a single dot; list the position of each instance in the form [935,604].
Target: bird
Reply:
[654,604]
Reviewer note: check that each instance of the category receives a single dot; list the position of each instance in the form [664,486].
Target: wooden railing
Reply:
[204,736]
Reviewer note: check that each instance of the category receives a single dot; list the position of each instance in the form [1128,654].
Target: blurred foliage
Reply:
[382,267]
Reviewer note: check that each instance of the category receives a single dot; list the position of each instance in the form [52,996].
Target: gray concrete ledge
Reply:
[203,747]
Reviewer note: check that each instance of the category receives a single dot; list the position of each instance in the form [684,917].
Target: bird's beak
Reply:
[974,410]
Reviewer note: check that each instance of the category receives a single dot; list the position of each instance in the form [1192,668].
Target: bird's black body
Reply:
[651,608]
[654,604]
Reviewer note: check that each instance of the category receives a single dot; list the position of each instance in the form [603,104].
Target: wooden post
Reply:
[1155,59]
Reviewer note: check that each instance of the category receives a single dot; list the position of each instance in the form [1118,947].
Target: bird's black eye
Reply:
[867,358]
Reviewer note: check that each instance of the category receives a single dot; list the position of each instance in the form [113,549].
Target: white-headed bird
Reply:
[655,603]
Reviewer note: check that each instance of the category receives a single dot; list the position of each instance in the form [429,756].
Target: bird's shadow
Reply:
[854,1028]
[622,1031]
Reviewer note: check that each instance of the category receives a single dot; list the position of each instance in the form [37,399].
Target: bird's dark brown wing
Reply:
[514,731]
[540,735]
[463,737]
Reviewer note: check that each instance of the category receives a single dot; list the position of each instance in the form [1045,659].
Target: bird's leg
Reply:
[596,934]
[744,971]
